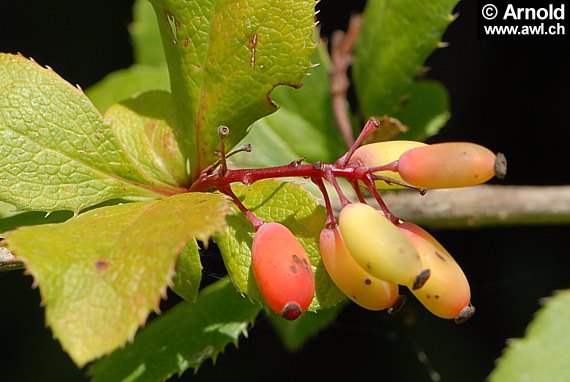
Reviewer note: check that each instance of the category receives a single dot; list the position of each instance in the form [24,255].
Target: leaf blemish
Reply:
[252,46]
[173,26]
[102,265]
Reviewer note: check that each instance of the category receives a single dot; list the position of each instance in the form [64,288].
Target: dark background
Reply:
[511,96]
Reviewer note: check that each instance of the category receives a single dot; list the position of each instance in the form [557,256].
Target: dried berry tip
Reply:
[501,166]
[465,314]
[421,279]
[291,311]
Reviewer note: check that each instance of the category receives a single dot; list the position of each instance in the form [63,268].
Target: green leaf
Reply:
[33,218]
[102,272]
[303,126]
[297,209]
[294,334]
[395,40]
[124,83]
[145,35]
[56,152]
[183,338]
[225,57]
[143,125]
[188,272]
[542,355]
[426,111]
[7,210]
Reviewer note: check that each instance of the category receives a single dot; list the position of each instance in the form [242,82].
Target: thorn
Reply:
[297,162]
[451,18]
[442,44]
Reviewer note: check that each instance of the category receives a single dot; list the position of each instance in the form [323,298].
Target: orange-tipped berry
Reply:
[378,246]
[282,270]
[380,154]
[358,285]
[446,293]
[447,165]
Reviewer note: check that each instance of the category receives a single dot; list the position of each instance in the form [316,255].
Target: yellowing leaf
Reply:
[56,152]
[143,125]
[102,272]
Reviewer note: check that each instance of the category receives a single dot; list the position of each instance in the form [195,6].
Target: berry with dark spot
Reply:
[446,293]
[361,287]
[287,288]
[378,246]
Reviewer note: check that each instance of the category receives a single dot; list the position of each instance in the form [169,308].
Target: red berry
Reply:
[282,270]
[447,165]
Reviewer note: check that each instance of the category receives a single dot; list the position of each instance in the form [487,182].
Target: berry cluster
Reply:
[369,252]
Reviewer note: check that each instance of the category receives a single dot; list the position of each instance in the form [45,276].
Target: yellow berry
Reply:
[380,154]
[378,246]
[358,285]
[446,293]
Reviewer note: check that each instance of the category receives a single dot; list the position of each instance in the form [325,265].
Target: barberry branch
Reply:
[460,208]
[481,206]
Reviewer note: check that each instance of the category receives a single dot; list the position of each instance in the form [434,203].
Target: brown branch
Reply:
[341,56]
[480,206]
[486,205]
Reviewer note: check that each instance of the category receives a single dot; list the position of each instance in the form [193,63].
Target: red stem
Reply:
[354,184]
[371,125]
[372,187]
[250,175]
[331,221]
[255,221]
